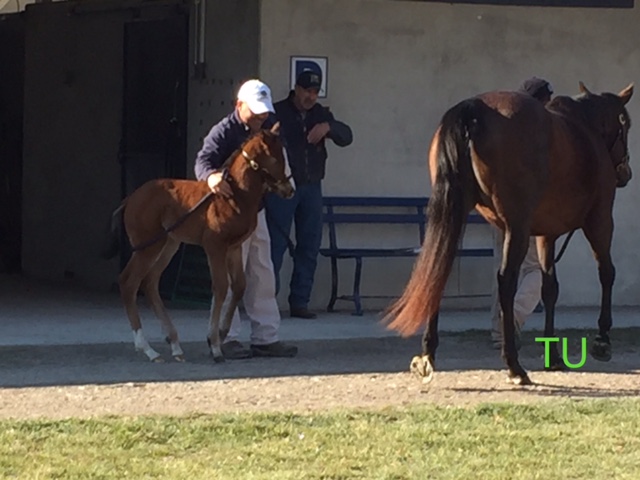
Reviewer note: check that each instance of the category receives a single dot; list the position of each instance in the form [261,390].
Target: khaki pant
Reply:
[260,294]
[529,286]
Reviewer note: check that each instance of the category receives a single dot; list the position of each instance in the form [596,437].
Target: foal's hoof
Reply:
[422,367]
[157,359]
[179,358]
[601,350]
[218,358]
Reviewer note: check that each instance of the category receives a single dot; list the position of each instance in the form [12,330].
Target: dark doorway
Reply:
[154,122]
[12,41]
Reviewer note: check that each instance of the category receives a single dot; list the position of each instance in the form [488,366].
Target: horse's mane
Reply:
[238,150]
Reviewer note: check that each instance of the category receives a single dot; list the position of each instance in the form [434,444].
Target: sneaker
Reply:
[302,313]
[275,349]
[234,350]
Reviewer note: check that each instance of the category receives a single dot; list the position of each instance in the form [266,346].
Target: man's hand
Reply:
[219,185]
[318,132]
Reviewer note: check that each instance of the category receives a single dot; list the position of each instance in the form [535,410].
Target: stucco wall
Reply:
[394,69]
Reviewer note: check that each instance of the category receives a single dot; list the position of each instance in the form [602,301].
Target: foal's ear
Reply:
[583,89]
[625,95]
[275,129]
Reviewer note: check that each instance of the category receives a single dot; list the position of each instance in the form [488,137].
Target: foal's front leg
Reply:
[216,256]
[238,284]
[424,366]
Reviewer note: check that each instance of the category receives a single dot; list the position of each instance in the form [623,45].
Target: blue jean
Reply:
[305,208]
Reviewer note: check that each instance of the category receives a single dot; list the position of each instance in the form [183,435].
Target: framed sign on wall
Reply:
[316,64]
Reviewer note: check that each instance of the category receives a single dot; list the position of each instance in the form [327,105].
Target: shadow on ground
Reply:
[119,363]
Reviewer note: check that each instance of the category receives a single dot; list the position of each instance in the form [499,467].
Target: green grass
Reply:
[568,440]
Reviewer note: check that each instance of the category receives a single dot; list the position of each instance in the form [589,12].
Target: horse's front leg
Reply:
[216,256]
[238,285]
[550,289]
[598,234]
[423,365]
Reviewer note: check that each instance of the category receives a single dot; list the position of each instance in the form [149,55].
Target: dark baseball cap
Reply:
[309,79]
[535,86]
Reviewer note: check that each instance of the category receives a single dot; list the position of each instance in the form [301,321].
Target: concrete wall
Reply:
[396,67]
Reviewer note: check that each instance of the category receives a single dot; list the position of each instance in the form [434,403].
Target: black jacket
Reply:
[308,161]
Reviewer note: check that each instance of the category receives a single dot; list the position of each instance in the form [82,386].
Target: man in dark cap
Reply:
[538,88]
[530,279]
[305,125]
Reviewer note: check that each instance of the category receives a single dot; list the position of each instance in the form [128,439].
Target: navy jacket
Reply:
[225,137]
[308,161]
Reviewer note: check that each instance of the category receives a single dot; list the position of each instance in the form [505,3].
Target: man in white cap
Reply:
[253,108]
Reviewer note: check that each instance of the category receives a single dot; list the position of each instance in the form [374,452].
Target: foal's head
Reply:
[610,118]
[265,154]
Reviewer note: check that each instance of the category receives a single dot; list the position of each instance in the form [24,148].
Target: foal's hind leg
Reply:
[150,286]
[515,247]
[238,285]
[546,254]
[424,366]
[599,232]
[130,279]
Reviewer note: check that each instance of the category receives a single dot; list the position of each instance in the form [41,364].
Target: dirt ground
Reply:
[95,380]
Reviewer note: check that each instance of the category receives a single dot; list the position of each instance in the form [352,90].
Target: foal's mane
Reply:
[238,151]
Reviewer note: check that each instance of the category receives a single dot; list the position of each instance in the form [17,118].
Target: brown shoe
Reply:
[275,349]
[235,351]
[303,313]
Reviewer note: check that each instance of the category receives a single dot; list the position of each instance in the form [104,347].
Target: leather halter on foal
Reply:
[269,180]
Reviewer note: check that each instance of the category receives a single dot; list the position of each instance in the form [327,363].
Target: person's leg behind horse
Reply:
[279,213]
[308,224]
[260,296]
[150,286]
[550,291]
[529,286]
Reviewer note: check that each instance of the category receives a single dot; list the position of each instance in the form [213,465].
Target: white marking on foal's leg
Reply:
[176,351]
[141,344]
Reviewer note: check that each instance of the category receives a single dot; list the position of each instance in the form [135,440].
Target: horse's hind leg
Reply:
[150,287]
[599,233]
[130,279]
[424,366]
[238,285]
[515,247]
[546,254]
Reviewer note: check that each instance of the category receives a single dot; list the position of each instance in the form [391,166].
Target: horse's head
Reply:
[264,153]
[613,123]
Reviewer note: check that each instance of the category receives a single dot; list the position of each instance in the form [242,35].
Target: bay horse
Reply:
[162,214]
[529,170]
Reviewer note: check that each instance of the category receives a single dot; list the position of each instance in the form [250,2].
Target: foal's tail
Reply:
[454,194]
[113,235]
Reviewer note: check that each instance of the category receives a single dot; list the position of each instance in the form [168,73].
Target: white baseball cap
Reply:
[257,96]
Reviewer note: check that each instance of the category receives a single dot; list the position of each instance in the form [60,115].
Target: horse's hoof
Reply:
[601,351]
[179,358]
[422,368]
[519,380]
[158,359]
[218,359]
[555,367]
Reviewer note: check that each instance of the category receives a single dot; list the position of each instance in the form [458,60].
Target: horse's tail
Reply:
[454,194]
[113,235]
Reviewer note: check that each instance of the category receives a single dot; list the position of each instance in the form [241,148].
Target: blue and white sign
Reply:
[315,64]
